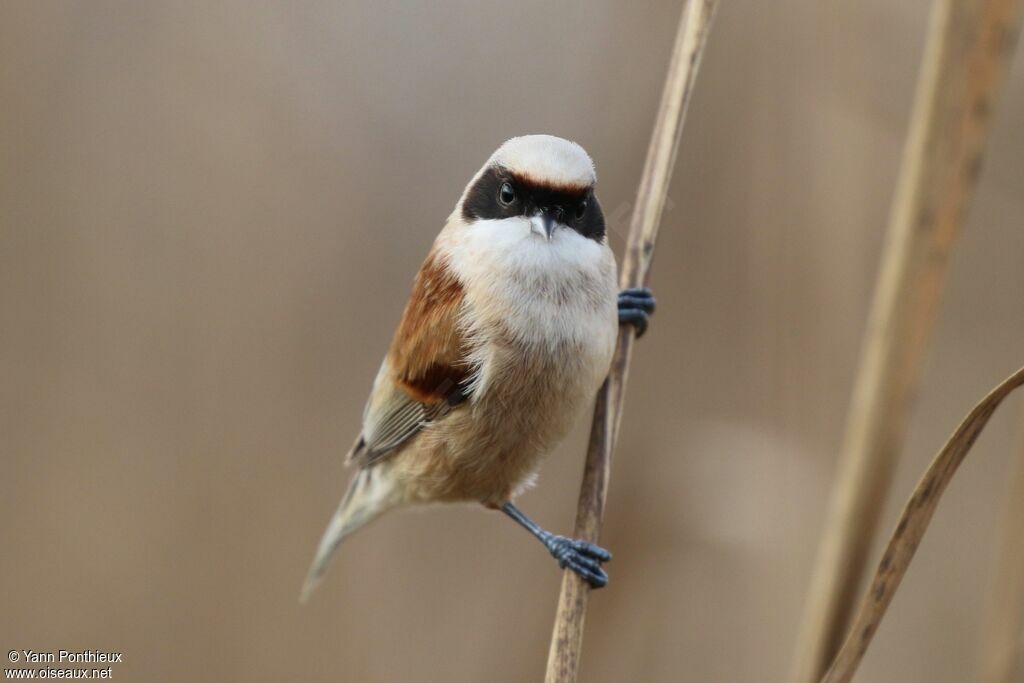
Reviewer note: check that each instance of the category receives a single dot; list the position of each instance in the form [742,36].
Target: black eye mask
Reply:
[577,206]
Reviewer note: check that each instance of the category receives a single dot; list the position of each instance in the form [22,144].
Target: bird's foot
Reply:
[635,308]
[580,556]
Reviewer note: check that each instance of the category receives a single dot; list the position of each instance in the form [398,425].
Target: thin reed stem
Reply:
[914,520]
[567,638]
[968,47]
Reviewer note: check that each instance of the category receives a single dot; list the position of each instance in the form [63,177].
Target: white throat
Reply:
[542,291]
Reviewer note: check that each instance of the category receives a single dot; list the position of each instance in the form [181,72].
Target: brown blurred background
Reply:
[210,216]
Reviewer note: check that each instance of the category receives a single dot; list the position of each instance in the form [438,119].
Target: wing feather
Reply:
[425,373]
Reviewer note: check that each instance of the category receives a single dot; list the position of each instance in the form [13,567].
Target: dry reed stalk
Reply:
[913,523]
[567,637]
[968,46]
[1003,628]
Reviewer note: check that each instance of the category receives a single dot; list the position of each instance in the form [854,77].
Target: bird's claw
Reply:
[635,308]
[582,557]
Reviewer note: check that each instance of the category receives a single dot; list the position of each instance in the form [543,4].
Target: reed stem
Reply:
[567,637]
[968,47]
[917,513]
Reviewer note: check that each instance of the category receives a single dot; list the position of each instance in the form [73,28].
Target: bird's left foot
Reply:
[580,556]
[635,308]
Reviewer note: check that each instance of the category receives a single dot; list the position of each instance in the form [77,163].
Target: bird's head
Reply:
[539,185]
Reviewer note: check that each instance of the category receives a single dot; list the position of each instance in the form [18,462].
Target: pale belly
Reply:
[490,448]
[544,319]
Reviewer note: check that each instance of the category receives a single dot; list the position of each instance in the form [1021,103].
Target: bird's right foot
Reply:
[582,557]
[572,553]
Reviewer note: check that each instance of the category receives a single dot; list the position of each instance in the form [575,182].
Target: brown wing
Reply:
[425,372]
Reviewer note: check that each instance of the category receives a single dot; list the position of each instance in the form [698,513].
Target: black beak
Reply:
[550,219]
[546,220]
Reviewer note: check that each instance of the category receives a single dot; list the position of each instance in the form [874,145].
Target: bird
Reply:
[508,332]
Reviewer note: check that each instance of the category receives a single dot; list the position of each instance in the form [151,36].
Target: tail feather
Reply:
[369,495]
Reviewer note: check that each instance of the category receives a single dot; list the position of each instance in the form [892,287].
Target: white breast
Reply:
[534,301]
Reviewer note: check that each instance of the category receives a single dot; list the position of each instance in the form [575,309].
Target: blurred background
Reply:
[210,217]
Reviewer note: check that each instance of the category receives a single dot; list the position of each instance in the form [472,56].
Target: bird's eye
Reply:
[506,195]
[581,209]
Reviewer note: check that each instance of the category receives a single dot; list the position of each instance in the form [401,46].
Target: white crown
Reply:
[546,158]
